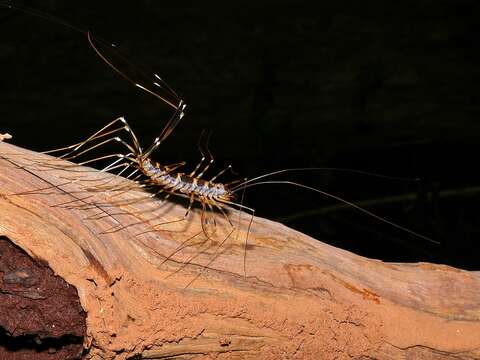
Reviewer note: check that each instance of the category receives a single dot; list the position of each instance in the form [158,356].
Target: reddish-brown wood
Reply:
[40,314]
[300,299]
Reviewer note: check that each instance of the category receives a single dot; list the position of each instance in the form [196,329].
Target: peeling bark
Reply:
[299,298]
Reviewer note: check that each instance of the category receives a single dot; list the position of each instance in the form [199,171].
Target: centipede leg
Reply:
[216,255]
[155,226]
[201,152]
[98,135]
[220,173]
[202,251]
[210,162]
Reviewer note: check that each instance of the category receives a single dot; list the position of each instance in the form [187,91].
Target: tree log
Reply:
[170,292]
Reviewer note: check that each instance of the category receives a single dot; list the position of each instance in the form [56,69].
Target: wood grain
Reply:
[299,299]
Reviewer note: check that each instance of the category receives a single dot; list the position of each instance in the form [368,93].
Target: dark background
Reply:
[376,86]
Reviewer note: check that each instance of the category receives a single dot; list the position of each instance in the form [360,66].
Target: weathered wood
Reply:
[300,299]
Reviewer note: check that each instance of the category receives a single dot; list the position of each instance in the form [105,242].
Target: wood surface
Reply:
[147,294]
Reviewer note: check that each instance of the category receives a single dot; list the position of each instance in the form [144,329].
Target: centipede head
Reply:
[224,194]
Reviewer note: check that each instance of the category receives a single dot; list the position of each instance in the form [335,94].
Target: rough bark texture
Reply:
[299,298]
[40,314]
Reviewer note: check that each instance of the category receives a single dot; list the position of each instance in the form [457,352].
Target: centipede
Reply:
[159,181]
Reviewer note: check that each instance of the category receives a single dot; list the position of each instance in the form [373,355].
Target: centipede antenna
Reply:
[354,171]
[348,203]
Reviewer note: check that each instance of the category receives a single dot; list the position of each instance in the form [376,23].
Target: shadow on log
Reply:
[299,298]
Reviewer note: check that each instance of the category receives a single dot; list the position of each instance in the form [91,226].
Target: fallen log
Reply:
[159,294]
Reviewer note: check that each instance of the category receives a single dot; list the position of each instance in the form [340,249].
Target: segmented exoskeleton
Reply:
[135,162]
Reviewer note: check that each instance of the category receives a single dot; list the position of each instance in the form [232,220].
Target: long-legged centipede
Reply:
[167,179]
